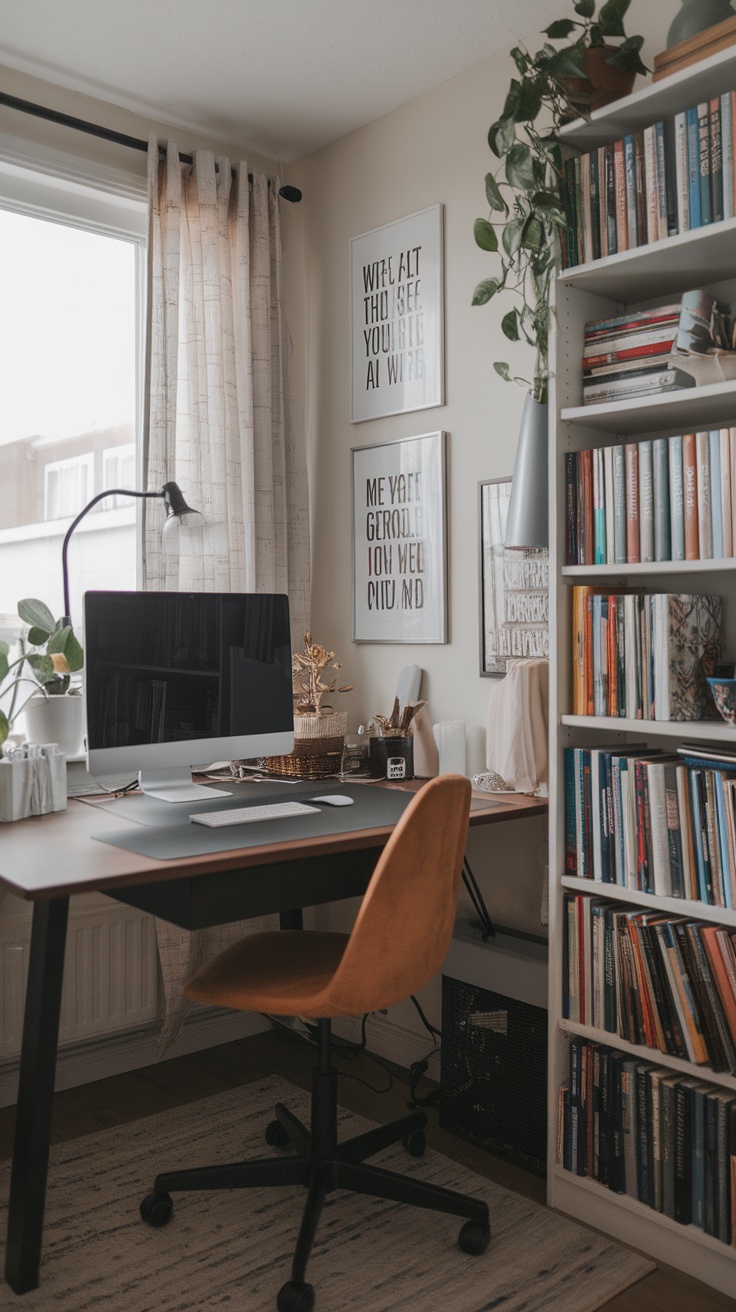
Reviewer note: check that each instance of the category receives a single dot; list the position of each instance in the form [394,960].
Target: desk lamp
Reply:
[178,516]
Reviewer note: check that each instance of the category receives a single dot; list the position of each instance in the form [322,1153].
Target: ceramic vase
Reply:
[695,16]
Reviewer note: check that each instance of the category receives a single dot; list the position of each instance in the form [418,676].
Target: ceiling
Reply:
[284,77]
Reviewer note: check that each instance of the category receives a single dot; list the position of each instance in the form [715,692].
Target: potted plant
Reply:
[48,654]
[527,219]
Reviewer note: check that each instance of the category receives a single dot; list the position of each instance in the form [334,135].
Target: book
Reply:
[646,502]
[690,489]
[705,520]
[661,180]
[716,503]
[619,504]
[599,391]
[650,175]
[619,194]
[610,513]
[630,192]
[693,167]
[660,334]
[716,160]
[632,502]
[686,640]
[704,161]
[676,499]
[727,154]
[602,202]
[611,203]
[670,179]
[594,201]
[587,253]
[599,509]
[726,506]
[681,173]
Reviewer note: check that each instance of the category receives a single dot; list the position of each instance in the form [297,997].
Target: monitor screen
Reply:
[174,679]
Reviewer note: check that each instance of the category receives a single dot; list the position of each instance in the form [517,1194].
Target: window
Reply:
[67,486]
[71,279]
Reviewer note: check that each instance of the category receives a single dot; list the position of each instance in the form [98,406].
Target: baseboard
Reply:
[115,1054]
[395,1042]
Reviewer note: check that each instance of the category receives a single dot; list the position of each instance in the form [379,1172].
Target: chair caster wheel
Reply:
[295,1298]
[474,1237]
[157,1209]
[276,1136]
[415,1143]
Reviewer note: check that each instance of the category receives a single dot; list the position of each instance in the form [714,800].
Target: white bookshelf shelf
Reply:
[709,731]
[677,906]
[650,569]
[673,265]
[649,1054]
[656,100]
[684,1246]
[676,412]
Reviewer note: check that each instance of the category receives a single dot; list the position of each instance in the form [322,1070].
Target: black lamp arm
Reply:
[109,492]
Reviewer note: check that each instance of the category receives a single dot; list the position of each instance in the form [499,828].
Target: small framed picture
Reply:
[514,587]
[396,317]
[399,567]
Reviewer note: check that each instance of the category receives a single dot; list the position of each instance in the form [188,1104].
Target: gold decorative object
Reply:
[319,731]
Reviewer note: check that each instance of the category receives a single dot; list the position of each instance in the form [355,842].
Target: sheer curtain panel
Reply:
[217,419]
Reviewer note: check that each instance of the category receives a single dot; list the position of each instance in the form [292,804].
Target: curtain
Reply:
[217,421]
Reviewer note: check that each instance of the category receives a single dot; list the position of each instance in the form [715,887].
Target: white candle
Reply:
[449,736]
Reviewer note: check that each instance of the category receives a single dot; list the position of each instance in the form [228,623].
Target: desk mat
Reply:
[157,835]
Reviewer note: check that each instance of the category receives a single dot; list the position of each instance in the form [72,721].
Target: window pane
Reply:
[68,322]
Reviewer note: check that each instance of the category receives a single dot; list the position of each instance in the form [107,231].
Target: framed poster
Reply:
[396,317]
[399,588]
[514,587]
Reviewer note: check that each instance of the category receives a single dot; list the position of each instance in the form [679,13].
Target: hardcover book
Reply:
[687,638]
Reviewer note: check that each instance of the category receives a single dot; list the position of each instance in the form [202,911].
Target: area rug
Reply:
[232,1250]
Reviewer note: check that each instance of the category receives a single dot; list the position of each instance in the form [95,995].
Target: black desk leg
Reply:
[291,919]
[35,1094]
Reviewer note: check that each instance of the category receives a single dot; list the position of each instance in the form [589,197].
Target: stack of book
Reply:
[661,981]
[665,1139]
[629,356]
[666,499]
[644,657]
[673,176]
[651,822]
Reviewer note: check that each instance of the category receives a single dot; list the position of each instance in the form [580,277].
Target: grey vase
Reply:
[527,518]
[695,16]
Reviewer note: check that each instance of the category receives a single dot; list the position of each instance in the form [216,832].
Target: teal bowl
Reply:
[724,696]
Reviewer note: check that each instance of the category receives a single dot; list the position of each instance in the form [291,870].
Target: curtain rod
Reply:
[108,134]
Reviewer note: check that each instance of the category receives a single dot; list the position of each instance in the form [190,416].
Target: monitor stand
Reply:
[174,784]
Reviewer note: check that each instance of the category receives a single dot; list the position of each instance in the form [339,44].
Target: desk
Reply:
[49,858]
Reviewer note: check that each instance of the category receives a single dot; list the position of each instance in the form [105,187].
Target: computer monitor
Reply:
[177,679]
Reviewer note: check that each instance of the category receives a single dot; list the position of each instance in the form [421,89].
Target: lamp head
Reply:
[179,517]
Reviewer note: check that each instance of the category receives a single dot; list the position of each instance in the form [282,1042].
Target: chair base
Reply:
[322,1165]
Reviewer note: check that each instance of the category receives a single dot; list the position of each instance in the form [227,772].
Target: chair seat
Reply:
[285,973]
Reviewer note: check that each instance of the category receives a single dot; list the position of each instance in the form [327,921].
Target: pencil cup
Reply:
[392,758]
[34,785]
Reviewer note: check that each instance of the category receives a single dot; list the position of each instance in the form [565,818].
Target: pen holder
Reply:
[392,758]
[34,786]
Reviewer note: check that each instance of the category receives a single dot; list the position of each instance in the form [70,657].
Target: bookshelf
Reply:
[639,278]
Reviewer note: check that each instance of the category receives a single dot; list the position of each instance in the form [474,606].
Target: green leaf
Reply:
[521,59]
[532,237]
[627,57]
[611,17]
[3,660]
[520,167]
[502,368]
[501,136]
[485,235]
[493,195]
[56,685]
[42,666]
[586,8]
[4,727]
[65,642]
[512,100]
[37,614]
[530,101]
[510,326]
[558,30]
[37,637]
[596,38]
[485,290]
[568,62]
[511,236]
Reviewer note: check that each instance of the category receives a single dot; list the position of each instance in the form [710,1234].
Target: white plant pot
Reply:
[56,720]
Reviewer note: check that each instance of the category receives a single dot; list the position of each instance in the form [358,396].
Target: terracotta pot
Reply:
[603,82]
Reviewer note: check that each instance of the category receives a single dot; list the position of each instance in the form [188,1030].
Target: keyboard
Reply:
[243,815]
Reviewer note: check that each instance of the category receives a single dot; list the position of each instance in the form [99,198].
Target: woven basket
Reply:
[318,746]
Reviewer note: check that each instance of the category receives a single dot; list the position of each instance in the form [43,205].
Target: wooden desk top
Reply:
[55,855]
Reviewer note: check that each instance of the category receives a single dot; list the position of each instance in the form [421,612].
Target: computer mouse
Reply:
[334,799]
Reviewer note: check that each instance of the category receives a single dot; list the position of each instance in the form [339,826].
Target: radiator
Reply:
[110,972]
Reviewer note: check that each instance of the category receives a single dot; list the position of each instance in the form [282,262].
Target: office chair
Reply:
[399,941]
